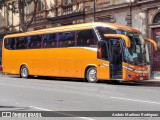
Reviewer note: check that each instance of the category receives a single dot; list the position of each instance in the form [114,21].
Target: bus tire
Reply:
[91,75]
[24,72]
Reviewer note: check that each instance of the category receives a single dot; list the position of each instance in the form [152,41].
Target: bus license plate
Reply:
[141,78]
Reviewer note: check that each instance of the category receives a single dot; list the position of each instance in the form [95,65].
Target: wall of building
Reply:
[9,21]
[16,23]
[2,22]
[120,17]
[139,20]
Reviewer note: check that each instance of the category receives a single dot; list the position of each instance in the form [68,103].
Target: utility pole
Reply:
[130,13]
[94,10]
[130,10]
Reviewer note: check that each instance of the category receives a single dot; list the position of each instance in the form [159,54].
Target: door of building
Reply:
[156,58]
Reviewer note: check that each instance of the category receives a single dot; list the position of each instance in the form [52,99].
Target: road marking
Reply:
[40,108]
[135,100]
[86,118]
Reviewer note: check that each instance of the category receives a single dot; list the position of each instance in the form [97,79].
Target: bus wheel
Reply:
[24,72]
[91,75]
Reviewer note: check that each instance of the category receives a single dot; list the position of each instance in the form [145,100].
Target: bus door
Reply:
[103,71]
[116,46]
[115,59]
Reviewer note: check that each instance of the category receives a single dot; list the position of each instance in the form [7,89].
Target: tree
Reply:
[17,6]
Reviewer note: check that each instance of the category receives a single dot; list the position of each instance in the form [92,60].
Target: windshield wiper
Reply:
[143,63]
[131,62]
[138,63]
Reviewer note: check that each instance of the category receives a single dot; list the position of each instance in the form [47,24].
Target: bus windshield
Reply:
[138,52]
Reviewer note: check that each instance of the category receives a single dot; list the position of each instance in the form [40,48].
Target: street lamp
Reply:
[94,10]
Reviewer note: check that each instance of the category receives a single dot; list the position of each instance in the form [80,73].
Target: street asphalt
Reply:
[58,94]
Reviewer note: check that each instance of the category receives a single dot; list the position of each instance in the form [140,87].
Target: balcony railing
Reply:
[39,16]
[67,9]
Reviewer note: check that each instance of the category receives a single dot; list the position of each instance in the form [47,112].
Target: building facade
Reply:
[9,23]
[143,15]
[51,13]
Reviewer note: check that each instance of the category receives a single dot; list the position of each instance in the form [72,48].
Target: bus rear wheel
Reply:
[91,75]
[24,72]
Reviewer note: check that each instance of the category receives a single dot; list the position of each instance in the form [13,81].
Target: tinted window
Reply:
[10,43]
[70,37]
[106,30]
[86,38]
[0,49]
[49,40]
[21,43]
[66,39]
[1,39]
[102,51]
[34,41]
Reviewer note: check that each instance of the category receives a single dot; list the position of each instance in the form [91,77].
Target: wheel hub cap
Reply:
[92,75]
[24,72]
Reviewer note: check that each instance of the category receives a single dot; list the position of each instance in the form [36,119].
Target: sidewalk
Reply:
[157,78]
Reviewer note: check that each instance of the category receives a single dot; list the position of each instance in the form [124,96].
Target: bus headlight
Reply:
[140,71]
[128,68]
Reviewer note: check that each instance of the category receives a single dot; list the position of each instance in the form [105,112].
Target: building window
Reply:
[8,19]
[157,18]
[9,15]
[68,7]
[158,42]
[41,5]
[68,2]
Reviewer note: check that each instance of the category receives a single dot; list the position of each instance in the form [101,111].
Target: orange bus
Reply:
[94,51]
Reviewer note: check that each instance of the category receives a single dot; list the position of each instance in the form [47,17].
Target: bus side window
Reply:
[9,43]
[34,41]
[80,39]
[86,38]
[62,41]
[66,39]
[70,38]
[49,40]
[102,52]
[0,50]
[21,43]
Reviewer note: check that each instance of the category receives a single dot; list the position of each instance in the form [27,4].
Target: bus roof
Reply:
[75,27]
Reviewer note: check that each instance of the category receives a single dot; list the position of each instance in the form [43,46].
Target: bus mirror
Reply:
[153,42]
[119,36]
